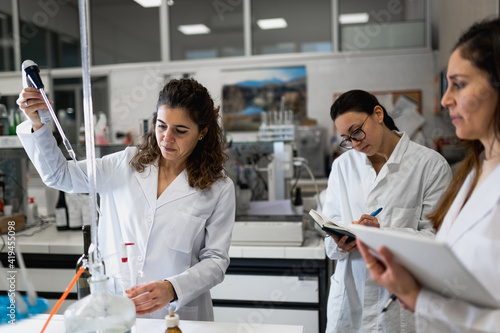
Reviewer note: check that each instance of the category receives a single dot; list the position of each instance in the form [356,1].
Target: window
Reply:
[369,25]
[6,42]
[49,33]
[68,97]
[201,29]
[124,32]
[288,26]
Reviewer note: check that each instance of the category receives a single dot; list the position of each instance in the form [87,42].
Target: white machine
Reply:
[268,230]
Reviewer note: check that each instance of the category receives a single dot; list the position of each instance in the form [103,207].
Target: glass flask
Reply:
[100,312]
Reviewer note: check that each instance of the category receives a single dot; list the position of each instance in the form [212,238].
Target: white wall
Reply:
[456,16]
[134,89]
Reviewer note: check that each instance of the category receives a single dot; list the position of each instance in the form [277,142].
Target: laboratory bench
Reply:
[263,284]
[56,325]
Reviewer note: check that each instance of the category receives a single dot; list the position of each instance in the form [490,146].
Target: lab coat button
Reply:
[139,258]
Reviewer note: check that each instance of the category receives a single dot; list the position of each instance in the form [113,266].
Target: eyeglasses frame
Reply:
[350,138]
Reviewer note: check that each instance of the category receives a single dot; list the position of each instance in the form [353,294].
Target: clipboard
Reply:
[431,262]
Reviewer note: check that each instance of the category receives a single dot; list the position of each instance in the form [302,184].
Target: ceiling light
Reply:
[194,29]
[149,3]
[274,23]
[354,18]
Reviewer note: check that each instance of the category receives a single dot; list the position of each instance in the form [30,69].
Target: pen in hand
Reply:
[389,302]
[375,213]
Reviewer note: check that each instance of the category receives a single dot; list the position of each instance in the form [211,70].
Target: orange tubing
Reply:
[63,297]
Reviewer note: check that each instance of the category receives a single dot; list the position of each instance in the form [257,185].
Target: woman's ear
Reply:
[379,113]
[203,132]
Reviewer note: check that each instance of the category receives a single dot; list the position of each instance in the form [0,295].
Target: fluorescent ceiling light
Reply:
[274,23]
[194,29]
[354,18]
[149,3]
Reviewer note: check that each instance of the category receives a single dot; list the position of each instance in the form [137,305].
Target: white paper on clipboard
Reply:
[431,262]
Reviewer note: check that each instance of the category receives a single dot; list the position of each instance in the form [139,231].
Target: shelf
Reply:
[10,141]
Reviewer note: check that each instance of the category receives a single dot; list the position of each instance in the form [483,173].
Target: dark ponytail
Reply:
[359,101]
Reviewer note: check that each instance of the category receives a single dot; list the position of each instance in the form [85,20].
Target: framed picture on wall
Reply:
[246,94]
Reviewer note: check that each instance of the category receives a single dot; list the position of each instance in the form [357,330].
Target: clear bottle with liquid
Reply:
[82,285]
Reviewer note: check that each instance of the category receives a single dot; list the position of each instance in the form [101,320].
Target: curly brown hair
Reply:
[206,163]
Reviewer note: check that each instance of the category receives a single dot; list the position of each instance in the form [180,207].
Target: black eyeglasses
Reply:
[357,135]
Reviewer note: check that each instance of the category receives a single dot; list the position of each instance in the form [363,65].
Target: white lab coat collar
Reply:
[179,188]
[479,204]
[395,158]
[398,152]
[400,149]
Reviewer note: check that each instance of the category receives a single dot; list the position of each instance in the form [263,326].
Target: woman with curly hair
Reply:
[170,196]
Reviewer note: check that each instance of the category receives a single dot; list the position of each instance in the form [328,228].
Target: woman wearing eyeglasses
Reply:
[381,168]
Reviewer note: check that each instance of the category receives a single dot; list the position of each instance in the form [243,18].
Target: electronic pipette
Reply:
[31,78]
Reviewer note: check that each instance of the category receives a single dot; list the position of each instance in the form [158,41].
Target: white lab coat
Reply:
[473,233]
[183,236]
[408,187]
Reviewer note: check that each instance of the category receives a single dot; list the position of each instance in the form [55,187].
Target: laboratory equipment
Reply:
[19,303]
[63,297]
[12,317]
[278,169]
[298,204]
[268,230]
[82,285]
[277,126]
[30,288]
[13,187]
[32,213]
[126,278]
[31,77]
[13,306]
[310,143]
[172,321]
[100,311]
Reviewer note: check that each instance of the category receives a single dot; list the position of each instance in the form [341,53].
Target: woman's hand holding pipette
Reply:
[30,100]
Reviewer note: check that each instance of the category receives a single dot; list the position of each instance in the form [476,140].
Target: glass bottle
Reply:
[298,203]
[100,311]
[4,120]
[172,321]
[62,217]
[82,285]
[14,120]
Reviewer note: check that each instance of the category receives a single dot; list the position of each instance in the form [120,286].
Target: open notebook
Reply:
[331,226]
[432,263]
